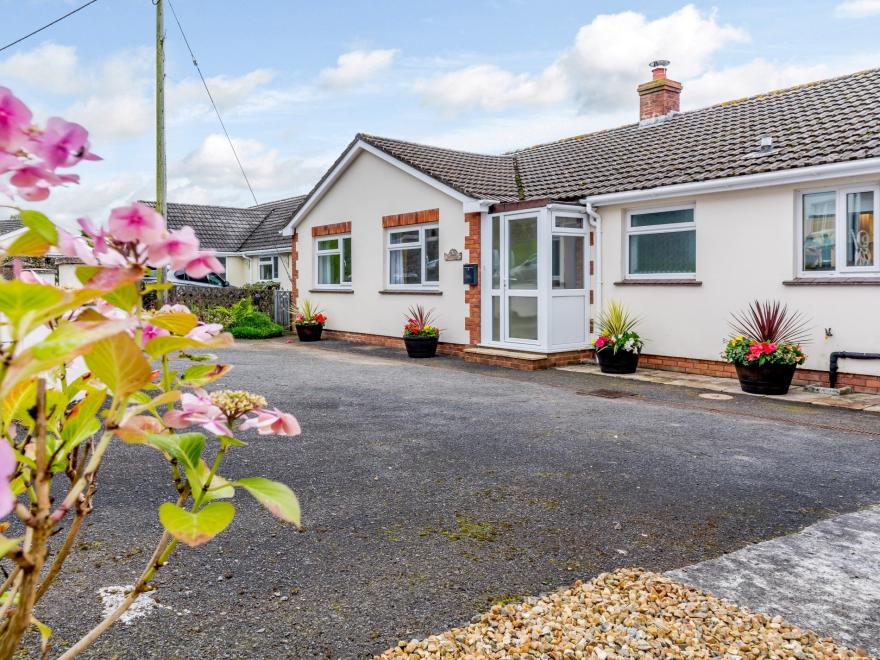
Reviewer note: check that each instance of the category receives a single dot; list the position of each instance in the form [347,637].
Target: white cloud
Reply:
[212,165]
[601,69]
[857,8]
[49,68]
[358,66]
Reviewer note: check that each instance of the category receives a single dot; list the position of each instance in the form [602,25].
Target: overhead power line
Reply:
[47,25]
[211,98]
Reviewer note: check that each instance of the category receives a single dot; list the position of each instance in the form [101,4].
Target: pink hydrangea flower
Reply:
[63,144]
[166,309]
[203,264]
[8,464]
[136,223]
[15,118]
[33,181]
[197,410]
[75,246]
[272,422]
[151,331]
[178,249]
[205,331]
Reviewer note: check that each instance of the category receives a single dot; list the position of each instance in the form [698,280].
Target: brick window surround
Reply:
[411,218]
[329,230]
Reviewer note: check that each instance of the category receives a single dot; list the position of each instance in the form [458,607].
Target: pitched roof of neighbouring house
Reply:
[268,234]
[231,229]
[830,121]
[10,224]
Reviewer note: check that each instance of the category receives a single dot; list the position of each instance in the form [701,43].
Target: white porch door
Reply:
[515,268]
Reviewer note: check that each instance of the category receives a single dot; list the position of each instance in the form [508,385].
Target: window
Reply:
[414,256]
[268,268]
[838,231]
[333,261]
[662,243]
[568,262]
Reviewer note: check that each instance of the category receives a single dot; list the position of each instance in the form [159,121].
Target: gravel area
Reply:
[628,613]
[431,490]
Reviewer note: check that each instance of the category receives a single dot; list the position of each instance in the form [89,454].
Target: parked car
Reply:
[180,277]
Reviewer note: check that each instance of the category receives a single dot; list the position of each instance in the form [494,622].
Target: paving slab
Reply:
[826,577]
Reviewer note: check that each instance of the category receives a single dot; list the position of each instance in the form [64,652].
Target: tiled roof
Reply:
[268,234]
[230,229]
[830,121]
[9,225]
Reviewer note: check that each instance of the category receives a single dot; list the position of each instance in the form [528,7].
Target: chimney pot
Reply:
[660,96]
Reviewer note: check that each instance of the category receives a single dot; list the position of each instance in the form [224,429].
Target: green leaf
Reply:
[146,403]
[199,375]
[8,545]
[178,323]
[71,335]
[185,447]
[45,634]
[125,297]
[218,489]
[197,528]
[40,224]
[82,420]
[19,299]
[119,363]
[28,244]
[275,496]
[155,286]
[159,346]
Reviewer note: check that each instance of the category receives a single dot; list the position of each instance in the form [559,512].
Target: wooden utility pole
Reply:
[161,174]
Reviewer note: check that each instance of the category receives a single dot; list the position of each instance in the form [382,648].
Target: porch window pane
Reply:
[328,269]
[663,253]
[819,219]
[346,260]
[496,318]
[432,255]
[522,321]
[569,223]
[568,262]
[496,252]
[406,266]
[329,244]
[522,260]
[860,229]
[661,218]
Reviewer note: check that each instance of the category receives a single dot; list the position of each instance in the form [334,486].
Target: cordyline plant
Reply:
[420,323]
[84,367]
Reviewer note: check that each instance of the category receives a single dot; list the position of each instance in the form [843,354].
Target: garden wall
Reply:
[203,296]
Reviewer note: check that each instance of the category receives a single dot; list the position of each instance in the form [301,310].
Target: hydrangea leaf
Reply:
[197,528]
[274,496]
[119,363]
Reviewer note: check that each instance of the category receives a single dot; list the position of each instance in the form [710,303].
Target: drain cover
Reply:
[716,396]
[606,394]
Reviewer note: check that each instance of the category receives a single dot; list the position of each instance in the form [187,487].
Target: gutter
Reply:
[797,175]
[595,221]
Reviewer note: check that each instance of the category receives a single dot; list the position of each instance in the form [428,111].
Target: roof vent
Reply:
[765,147]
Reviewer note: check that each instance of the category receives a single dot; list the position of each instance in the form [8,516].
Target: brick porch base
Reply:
[443,348]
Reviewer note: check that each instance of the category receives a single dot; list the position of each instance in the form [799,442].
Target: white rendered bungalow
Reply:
[685,217]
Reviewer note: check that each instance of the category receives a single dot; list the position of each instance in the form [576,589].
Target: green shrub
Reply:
[253,324]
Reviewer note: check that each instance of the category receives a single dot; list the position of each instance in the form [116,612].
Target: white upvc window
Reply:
[413,256]
[268,266]
[838,231]
[661,243]
[333,261]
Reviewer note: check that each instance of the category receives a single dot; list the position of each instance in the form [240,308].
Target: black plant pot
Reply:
[622,362]
[421,347]
[309,331]
[769,379]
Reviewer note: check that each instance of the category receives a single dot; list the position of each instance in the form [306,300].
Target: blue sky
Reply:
[296,80]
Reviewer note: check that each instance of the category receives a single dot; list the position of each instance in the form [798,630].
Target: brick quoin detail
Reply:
[294,267]
[472,295]
[859,382]
[329,230]
[411,218]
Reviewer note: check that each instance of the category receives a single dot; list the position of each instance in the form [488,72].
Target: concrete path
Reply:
[826,577]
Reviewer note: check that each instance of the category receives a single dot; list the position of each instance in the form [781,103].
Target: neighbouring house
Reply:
[247,241]
[683,216]
[53,267]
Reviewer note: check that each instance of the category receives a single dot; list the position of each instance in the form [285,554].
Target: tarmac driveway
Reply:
[431,489]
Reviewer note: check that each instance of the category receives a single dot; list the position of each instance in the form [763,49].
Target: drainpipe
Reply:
[595,221]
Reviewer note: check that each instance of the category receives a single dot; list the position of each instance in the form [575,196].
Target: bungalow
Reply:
[247,241]
[683,216]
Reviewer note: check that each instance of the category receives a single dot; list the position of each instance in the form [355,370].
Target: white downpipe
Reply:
[595,221]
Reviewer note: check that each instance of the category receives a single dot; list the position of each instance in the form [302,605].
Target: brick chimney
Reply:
[660,96]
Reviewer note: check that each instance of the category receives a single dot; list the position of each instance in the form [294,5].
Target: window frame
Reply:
[421,245]
[276,267]
[669,228]
[840,237]
[319,253]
